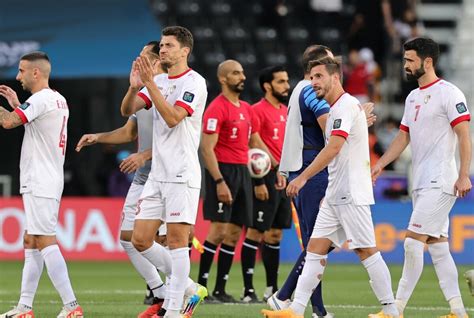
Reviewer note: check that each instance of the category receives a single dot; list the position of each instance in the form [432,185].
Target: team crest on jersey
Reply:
[25,105]
[337,124]
[461,108]
[188,97]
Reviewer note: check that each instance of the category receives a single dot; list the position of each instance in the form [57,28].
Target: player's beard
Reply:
[411,77]
[237,88]
[280,97]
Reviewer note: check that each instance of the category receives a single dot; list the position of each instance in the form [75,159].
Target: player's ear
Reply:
[267,87]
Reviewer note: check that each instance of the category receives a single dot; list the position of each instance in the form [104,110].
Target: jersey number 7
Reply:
[417,107]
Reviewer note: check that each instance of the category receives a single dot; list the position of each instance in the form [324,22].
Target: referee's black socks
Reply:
[224,263]
[271,262]
[206,261]
[247,257]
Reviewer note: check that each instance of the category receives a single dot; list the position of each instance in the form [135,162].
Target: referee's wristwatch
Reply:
[220,180]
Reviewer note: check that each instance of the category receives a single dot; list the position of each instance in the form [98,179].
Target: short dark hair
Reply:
[424,47]
[155,47]
[183,35]
[333,65]
[35,56]
[266,75]
[313,52]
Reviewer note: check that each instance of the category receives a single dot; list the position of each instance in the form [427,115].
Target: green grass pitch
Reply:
[115,290]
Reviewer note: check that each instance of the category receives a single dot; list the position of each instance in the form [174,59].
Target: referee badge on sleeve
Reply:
[337,124]
[211,124]
[461,108]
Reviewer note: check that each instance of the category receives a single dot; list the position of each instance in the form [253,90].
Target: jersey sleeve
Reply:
[143,94]
[213,119]
[456,107]
[404,125]
[313,103]
[342,123]
[32,108]
[254,120]
[190,96]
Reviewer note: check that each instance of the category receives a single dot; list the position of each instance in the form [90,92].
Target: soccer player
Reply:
[435,114]
[229,127]
[271,206]
[45,115]
[139,125]
[171,193]
[304,139]
[345,211]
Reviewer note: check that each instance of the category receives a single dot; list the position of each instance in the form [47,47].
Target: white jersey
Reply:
[430,114]
[349,173]
[292,151]
[175,150]
[45,115]
[144,121]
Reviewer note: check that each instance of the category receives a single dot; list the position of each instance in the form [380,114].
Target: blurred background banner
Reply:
[89,228]
[82,38]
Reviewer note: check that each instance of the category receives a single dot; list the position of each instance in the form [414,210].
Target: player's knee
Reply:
[217,233]
[140,243]
[254,235]
[273,236]
[365,253]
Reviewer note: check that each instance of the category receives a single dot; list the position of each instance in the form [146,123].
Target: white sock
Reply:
[381,282]
[447,275]
[412,268]
[167,297]
[57,271]
[179,277]
[160,257]
[32,270]
[309,279]
[146,269]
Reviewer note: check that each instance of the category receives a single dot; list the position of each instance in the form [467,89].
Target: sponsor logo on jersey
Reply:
[337,124]
[188,97]
[25,105]
[461,108]
[175,213]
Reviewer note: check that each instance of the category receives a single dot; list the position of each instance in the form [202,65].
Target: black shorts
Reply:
[274,213]
[238,180]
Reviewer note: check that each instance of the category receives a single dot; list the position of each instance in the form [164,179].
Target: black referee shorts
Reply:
[275,212]
[238,180]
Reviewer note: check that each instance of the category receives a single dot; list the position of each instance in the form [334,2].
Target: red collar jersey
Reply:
[234,124]
[272,125]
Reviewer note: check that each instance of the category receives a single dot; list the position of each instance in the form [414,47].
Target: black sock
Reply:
[206,261]
[271,262]
[224,263]
[161,312]
[247,257]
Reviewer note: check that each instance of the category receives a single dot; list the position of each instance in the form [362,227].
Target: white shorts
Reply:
[41,214]
[130,206]
[345,222]
[430,214]
[169,202]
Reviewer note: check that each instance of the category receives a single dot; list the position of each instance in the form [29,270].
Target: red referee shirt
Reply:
[234,124]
